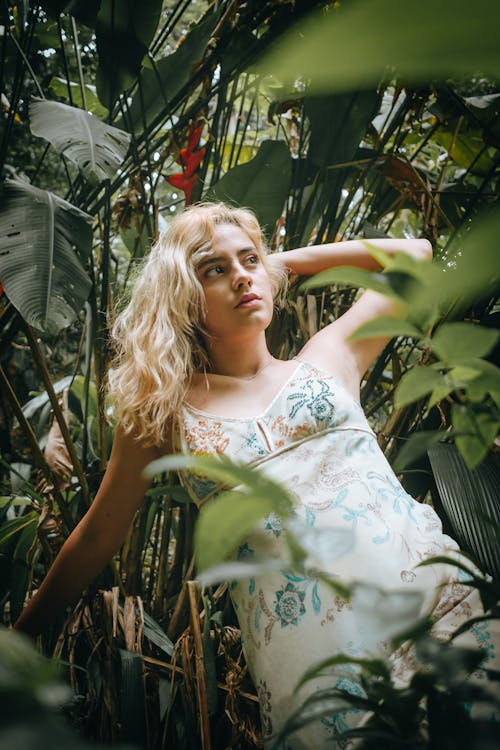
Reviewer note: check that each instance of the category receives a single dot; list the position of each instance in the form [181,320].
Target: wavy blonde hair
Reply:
[158,337]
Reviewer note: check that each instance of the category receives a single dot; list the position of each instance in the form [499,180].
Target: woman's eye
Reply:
[252,259]
[214,271]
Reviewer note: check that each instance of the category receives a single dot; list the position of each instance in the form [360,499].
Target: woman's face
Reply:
[236,284]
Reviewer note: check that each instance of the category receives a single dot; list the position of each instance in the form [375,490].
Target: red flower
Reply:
[180,182]
[190,160]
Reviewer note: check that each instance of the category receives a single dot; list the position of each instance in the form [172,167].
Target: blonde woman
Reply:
[193,373]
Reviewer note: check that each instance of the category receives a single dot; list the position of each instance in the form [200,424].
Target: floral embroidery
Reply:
[272,524]
[318,404]
[290,605]
[207,437]
[265,707]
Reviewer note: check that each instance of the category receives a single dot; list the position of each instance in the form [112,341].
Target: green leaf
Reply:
[97,149]
[416,446]
[59,87]
[32,406]
[347,116]
[416,383]
[262,184]
[475,433]
[386,326]
[132,697]
[454,341]
[226,472]
[22,560]
[159,87]
[9,529]
[238,570]
[358,277]
[354,45]
[439,393]
[40,271]
[225,522]
[156,634]
[124,31]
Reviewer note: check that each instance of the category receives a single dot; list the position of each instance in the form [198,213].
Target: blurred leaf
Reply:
[40,271]
[382,614]
[415,384]
[357,277]
[475,433]
[376,667]
[488,380]
[238,570]
[96,148]
[261,184]
[358,44]
[321,704]
[59,87]
[455,341]
[323,546]
[225,471]
[386,326]
[225,522]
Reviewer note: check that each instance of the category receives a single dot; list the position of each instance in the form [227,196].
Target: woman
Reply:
[193,373]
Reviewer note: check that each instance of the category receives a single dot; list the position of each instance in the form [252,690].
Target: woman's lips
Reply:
[248,300]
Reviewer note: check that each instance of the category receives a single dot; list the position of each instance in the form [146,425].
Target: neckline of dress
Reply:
[251,417]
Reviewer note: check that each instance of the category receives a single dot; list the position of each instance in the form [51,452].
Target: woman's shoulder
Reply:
[335,363]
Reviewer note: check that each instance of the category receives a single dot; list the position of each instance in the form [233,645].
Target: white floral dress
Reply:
[315,439]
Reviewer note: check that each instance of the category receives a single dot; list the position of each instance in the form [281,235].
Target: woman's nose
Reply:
[241,276]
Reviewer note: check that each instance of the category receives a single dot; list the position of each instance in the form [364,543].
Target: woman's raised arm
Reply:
[97,537]
[331,347]
[306,261]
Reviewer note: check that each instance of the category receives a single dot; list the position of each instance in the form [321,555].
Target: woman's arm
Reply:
[306,261]
[331,347]
[97,537]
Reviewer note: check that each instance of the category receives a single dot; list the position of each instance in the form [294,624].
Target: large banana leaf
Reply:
[96,148]
[261,184]
[471,502]
[40,271]
[124,32]
[160,85]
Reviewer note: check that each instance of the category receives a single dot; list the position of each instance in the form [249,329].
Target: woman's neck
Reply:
[243,359]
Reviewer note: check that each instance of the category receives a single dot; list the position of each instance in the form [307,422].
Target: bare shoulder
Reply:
[331,354]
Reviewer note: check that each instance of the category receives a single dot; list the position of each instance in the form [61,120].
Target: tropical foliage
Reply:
[114,116]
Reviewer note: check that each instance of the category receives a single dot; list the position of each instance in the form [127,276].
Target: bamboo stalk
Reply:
[201,687]
[40,361]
